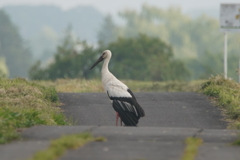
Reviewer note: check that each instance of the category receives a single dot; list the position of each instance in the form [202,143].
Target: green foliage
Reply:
[189,37]
[153,60]
[25,104]
[227,95]
[197,42]
[145,58]
[212,64]
[72,60]
[12,48]
[205,65]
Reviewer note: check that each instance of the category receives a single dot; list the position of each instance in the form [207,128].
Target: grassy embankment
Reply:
[226,94]
[25,104]
[81,85]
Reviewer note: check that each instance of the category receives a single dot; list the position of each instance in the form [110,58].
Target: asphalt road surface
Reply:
[162,110]
[160,135]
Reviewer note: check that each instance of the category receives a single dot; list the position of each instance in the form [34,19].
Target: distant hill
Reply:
[42,26]
[85,20]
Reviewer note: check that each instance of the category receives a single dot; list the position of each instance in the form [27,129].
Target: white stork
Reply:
[122,98]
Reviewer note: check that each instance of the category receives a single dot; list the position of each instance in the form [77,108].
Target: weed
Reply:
[58,147]
[100,139]
[191,149]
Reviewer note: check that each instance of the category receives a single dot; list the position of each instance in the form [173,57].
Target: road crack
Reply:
[197,133]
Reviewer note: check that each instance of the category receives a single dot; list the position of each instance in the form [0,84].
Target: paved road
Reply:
[127,143]
[170,119]
[162,110]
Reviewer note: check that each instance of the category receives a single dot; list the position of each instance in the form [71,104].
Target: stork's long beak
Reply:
[99,60]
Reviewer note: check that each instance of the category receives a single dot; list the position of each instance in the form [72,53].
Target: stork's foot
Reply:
[117,118]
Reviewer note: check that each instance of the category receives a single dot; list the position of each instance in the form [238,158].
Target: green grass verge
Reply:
[226,94]
[81,85]
[58,147]
[24,104]
[191,149]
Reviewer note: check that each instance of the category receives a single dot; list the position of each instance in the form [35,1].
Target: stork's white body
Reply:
[111,84]
[122,98]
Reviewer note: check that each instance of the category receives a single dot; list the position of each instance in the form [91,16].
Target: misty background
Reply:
[37,34]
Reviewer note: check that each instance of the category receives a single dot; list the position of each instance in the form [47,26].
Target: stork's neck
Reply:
[105,66]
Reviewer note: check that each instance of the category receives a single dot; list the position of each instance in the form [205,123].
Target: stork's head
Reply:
[105,55]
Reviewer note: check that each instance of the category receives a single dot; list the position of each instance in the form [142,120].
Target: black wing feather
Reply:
[128,118]
[128,108]
[138,107]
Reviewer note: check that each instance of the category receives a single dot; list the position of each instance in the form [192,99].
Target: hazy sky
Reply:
[112,6]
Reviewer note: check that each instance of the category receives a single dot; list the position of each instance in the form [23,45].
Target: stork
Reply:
[122,98]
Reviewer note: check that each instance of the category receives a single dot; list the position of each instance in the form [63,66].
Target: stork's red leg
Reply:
[117,118]
[121,121]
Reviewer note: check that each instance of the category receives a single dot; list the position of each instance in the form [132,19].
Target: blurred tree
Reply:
[170,25]
[13,49]
[71,60]
[212,64]
[206,65]
[145,58]
[191,39]
[108,32]
[139,58]
[44,43]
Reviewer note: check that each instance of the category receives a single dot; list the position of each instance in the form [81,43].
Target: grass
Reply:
[25,104]
[226,94]
[166,86]
[58,147]
[82,85]
[74,85]
[191,149]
